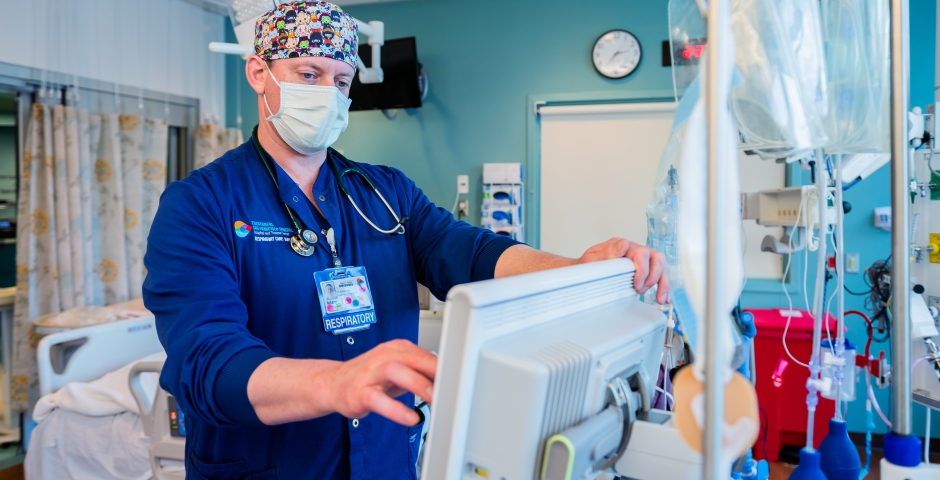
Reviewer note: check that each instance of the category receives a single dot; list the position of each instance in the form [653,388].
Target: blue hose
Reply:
[869,425]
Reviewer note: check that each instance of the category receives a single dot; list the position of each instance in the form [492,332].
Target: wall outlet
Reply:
[463,184]
[851,263]
[463,208]
[882,218]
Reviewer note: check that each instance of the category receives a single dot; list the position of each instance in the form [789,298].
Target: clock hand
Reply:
[615,55]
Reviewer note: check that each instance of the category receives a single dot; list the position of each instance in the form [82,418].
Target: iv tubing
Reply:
[927,438]
[783,284]
[812,398]
[874,402]
[839,368]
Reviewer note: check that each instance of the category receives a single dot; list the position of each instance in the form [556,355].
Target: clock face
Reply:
[616,54]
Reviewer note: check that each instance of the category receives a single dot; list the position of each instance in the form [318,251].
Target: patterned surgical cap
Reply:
[307,29]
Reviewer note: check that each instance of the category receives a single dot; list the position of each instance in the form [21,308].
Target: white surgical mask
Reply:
[311,117]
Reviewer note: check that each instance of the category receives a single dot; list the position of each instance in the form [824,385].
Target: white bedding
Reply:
[92,430]
[108,395]
[70,445]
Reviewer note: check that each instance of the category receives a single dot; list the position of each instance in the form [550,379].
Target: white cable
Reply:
[783,285]
[835,251]
[456,201]
[809,239]
[669,398]
[927,438]
[874,401]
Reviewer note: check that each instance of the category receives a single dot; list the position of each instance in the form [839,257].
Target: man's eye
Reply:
[342,84]
[308,76]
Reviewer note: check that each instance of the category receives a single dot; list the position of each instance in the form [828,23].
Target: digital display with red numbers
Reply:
[684,53]
[693,51]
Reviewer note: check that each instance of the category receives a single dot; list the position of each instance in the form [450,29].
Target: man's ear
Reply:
[255,71]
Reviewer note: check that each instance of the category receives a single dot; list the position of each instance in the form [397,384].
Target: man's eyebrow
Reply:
[311,66]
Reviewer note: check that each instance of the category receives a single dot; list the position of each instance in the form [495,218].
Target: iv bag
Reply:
[858,60]
[662,215]
[781,107]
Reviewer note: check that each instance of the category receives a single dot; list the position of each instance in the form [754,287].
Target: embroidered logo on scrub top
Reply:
[265,231]
[242,229]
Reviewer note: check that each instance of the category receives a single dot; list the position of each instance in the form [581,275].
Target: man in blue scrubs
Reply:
[241,262]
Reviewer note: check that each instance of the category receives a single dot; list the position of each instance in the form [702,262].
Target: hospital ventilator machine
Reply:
[527,388]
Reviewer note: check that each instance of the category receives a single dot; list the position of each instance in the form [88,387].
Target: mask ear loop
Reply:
[265,95]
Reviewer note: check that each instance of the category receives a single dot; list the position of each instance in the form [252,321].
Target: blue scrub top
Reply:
[228,297]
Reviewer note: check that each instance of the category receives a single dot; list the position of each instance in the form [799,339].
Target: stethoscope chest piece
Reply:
[309,236]
[300,246]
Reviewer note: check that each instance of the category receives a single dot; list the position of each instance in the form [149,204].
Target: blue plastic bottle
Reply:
[809,467]
[839,457]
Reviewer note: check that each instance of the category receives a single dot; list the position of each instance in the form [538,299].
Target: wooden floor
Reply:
[13,473]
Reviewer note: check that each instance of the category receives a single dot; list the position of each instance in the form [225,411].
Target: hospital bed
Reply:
[93,381]
[73,444]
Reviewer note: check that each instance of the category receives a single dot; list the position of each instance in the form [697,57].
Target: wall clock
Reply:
[616,54]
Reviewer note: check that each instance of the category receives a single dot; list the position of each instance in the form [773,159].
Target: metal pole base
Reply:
[924,471]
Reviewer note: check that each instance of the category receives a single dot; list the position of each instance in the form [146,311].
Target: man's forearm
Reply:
[520,259]
[283,390]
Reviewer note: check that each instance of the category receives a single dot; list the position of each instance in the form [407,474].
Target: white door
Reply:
[598,166]
[598,169]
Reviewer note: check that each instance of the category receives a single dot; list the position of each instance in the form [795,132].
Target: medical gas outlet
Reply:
[934,248]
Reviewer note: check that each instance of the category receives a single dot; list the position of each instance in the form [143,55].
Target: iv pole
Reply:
[900,225]
[714,386]
[902,448]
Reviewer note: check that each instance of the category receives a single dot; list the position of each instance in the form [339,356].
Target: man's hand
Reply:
[371,381]
[650,264]
[283,390]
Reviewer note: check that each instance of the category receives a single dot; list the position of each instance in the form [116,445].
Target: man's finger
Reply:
[620,248]
[378,402]
[408,379]
[657,266]
[663,295]
[412,356]
[419,360]
[640,259]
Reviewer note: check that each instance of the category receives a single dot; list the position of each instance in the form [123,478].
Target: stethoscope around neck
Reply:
[304,240]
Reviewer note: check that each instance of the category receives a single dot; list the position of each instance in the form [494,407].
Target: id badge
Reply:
[345,299]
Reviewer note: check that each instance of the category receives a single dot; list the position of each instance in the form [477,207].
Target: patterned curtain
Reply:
[89,186]
[212,141]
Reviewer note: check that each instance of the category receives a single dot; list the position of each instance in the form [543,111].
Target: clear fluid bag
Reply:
[857,56]
[662,215]
[781,106]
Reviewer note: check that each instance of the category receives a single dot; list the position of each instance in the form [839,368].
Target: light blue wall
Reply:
[485,57]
